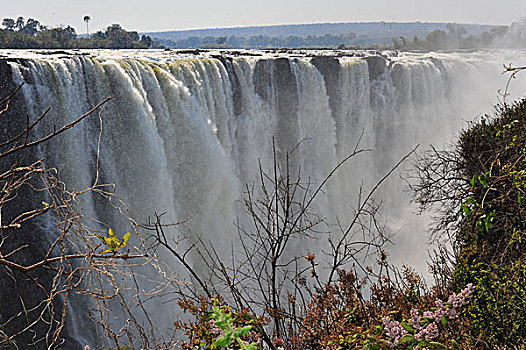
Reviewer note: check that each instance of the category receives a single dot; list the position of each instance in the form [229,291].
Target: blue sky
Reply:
[156,15]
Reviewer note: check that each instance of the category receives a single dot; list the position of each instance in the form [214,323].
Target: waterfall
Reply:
[184,133]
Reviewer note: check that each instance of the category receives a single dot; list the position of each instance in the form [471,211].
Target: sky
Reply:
[160,15]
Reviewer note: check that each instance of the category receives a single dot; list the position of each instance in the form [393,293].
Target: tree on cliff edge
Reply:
[87,19]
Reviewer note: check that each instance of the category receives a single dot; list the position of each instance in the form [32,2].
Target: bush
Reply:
[482,208]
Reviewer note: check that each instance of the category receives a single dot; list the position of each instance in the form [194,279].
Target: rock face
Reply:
[186,131]
[275,83]
[331,68]
[377,66]
[17,290]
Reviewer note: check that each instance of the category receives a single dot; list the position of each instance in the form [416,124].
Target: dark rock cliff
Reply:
[18,290]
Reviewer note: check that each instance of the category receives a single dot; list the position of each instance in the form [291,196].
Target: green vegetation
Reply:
[265,41]
[229,334]
[113,242]
[218,326]
[481,199]
[490,234]
[31,34]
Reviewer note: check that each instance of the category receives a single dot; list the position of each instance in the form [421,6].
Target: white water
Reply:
[179,138]
[173,143]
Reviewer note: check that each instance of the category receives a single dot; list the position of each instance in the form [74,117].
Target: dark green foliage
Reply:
[492,155]
[490,234]
[497,315]
[482,208]
[30,34]
[266,41]
[56,38]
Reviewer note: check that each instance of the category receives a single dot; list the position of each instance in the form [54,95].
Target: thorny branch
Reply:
[266,273]
[40,278]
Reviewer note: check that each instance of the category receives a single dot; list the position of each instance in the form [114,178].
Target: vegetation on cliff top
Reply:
[31,34]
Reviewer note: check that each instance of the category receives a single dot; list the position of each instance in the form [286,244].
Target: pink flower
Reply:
[415,319]
[394,330]
[432,331]
[451,314]
[462,298]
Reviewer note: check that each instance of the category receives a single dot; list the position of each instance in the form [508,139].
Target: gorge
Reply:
[186,130]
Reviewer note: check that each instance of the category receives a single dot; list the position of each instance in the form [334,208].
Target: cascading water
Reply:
[184,133]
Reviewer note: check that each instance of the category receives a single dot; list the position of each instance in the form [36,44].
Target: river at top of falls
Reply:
[185,130]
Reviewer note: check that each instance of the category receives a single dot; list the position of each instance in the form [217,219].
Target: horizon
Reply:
[307,24]
[163,15]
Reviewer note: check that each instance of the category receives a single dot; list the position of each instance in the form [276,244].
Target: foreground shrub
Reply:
[338,317]
[480,191]
[497,315]
[219,326]
[422,331]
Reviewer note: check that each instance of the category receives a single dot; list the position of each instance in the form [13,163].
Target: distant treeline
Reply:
[31,34]
[373,30]
[265,41]
[454,36]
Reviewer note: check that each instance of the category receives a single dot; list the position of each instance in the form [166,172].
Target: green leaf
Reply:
[407,327]
[436,345]
[243,331]
[483,180]
[426,320]
[488,220]
[253,346]
[125,240]
[221,323]
[470,200]
[224,341]
[473,179]
[465,209]
[407,338]
[455,344]
[46,205]
[444,320]
[478,224]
